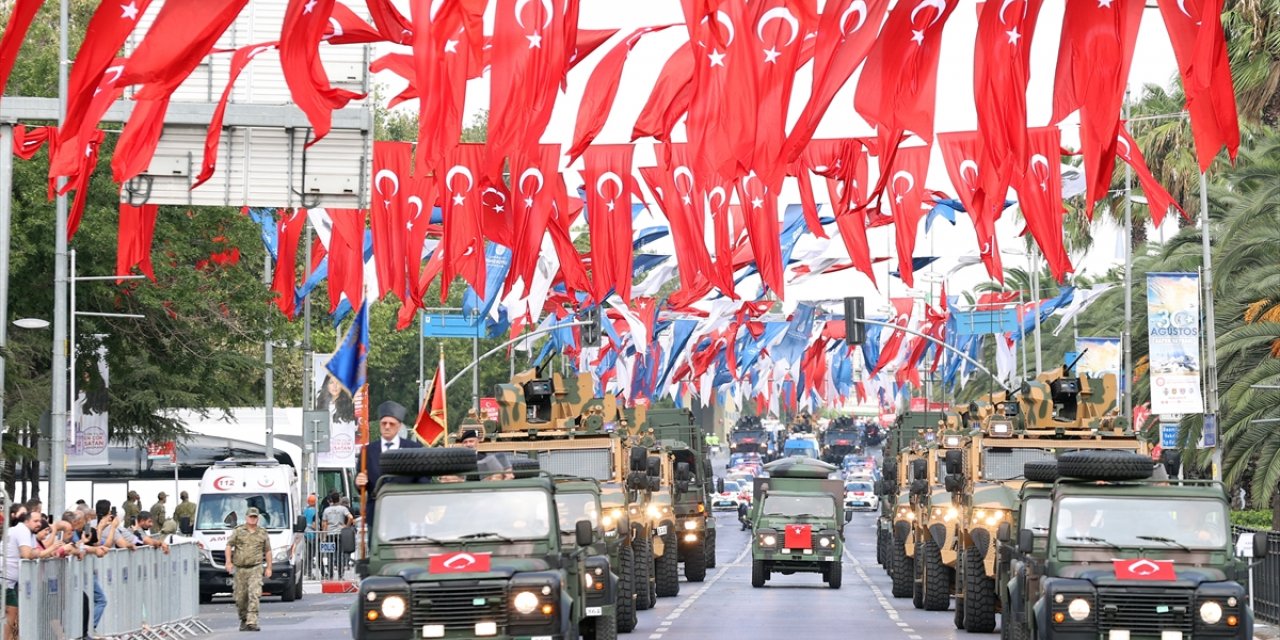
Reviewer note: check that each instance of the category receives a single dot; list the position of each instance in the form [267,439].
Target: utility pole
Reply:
[58,408]
[1126,335]
[1210,339]
[269,373]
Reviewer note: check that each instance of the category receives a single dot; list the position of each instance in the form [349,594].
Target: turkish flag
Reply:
[1144,569]
[606,170]
[27,141]
[533,197]
[179,38]
[213,135]
[459,562]
[432,422]
[463,244]
[1093,66]
[961,152]
[418,208]
[905,187]
[903,308]
[1040,196]
[67,157]
[137,227]
[571,265]
[846,31]
[1195,30]
[760,205]
[1158,199]
[388,215]
[15,31]
[798,536]
[346,257]
[528,61]
[722,112]
[445,42]
[345,27]
[289,231]
[898,85]
[669,99]
[496,215]
[80,183]
[690,248]
[781,27]
[392,25]
[1001,70]
[843,163]
[718,209]
[304,26]
[601,90]
[586,41]
[105,34]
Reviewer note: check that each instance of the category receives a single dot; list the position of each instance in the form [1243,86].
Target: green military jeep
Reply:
[579,499]
[1127,556]
[475,558]
[798,521]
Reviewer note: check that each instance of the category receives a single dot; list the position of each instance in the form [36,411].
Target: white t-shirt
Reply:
[19,536]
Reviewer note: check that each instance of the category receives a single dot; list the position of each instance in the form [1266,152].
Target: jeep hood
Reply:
[1105,576]
[499,567]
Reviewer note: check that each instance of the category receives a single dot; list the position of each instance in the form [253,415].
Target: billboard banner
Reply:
[88,437]
[1173,338]
[1100,356]
[343,450]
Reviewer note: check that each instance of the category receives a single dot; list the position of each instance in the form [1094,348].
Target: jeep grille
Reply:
[460,606]
[1139,610]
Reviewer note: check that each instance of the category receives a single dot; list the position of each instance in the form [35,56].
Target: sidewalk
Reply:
[1264,631]
[313,587]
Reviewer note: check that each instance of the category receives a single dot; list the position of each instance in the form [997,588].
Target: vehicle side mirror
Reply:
[682,472]
[584,534]
[953,483]
[1026,540]
[848,515]
[300,524]
[955,462]
[655,483]
[1004,533]
[1260,545]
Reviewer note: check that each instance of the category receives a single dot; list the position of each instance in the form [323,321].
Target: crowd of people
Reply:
[79,532]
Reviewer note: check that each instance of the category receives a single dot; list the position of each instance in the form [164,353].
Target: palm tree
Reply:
[1254,51]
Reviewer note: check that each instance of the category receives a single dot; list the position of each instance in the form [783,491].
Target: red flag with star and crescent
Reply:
[903,308]
[905,188]
[1040,197]
[533,197]
[780,30]
[387,214]
[723,109]
[1158,198]
[1195,30]
[105,34]
[961,152]
[760,204]
[447,38]
[463,244]
[304,26]
[606,172]
[528,61]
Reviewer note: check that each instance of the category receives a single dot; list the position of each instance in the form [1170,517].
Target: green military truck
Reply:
[1128,556]
[579,499]
[1020,569]
[478,558]
[680,440]
[797,521]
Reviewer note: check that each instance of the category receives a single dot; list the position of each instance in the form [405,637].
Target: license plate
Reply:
[662,531]
[595,611]
[1118,634]
[328,547]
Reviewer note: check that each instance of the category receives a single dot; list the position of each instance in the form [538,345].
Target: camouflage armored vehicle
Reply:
[749,436]
[985,469]
[797,521]
[841,438]
[615,522]
[1128,556]
[475,558]
[570,432]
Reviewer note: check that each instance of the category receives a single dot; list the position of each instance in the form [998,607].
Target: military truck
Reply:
[841,438]
[615,522]
[985,467]
[749,436]
[679,439]
[797,521]
[1131,556]
[1021,569]
[569,432]
[475,558]
[579,499]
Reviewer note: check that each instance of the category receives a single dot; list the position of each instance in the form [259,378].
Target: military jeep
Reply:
[476,558]
[797,521]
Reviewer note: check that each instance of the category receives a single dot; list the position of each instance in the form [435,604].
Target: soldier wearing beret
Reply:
[390,423]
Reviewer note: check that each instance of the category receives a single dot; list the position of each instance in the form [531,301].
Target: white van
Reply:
[227,491]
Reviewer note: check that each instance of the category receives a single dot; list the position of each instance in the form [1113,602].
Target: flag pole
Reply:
[445,420]
[362,417]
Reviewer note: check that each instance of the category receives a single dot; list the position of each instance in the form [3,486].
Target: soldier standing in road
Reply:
[158,510]
[248,562]
[185,509]
[132,506]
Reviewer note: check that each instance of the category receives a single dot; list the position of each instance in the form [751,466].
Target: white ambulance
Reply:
[227,491]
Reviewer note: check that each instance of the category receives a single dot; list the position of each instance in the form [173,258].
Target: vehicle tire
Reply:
[626,606]
[937,579]
[1104,465]
[525,467]
[710,549]
[958,619]
[901,571]
[758,574]
[889,467]
[297,587]
[289,594]
[882,547]
[642,550]
[667,566]
[1041,471]
[695,564]
[603,627]
[425,462]
[979,595]
[917,583]
[835,573]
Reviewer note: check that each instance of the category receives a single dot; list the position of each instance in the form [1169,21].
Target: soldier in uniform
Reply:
[185,509]
[132,506]
[158,511]
[248,562]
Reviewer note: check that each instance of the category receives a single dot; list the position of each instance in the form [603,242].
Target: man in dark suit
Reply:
[390,422]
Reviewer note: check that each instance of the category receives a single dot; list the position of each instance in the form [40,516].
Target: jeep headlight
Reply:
[393,607]
[824,542]
[1078,609]
[769,540]
[690,525]
[653,511]
[525,602]
[1211,612]
[282,554]
[588,580]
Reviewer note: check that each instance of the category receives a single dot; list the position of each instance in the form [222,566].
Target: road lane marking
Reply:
[665,625]
[880,598]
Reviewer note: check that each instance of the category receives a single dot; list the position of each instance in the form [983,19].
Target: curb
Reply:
[333,586]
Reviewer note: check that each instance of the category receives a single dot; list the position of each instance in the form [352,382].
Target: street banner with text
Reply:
[1173,336]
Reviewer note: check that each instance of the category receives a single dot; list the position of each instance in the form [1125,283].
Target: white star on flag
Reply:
[771,55]
[917,36]
[130,11]
[1013,35]
[458,199]
[717,58]
[535,41]
[310,6]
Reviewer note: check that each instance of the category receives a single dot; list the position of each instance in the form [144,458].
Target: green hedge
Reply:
[1254,518]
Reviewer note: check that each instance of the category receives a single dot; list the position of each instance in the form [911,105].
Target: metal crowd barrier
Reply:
[149,595]
[1264,583]
[329,558]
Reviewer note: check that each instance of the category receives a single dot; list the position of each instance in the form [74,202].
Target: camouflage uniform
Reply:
[248,554]
[185,509]
[158,512]
[132,507]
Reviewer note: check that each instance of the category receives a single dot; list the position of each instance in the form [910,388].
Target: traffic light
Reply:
[591,332]
[855,332]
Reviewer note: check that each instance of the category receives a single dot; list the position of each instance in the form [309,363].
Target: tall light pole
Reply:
[58,408]
[1210,339]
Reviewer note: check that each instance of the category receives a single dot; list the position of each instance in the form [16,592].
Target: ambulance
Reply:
[227,491]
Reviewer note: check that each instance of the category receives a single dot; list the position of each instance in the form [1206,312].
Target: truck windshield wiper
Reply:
[485,534]
[1169,541]
[1095,540]
[416,539]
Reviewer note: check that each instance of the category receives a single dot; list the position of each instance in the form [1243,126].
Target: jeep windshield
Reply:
[1127,522]
[818,506]
[439,516]
[1035,515]
[572,507]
